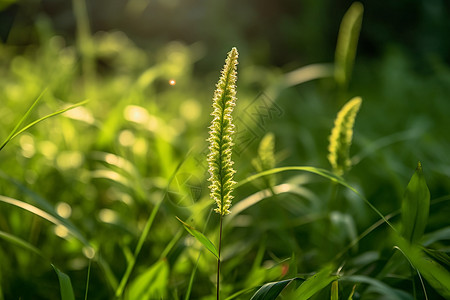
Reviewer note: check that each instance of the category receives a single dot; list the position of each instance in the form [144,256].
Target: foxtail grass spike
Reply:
[220,136]
[266,156]
[341,136]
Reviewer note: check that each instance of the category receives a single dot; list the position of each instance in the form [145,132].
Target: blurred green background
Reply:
[107,165]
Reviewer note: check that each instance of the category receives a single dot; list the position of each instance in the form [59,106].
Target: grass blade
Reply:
[314,284]
[65,285]
[19,242]
[436,275]
[321,172]
[347,43]
[271,290]
[415,207]
[151,284]
[335,290]
[13,132]
[49,116]
[45,215]
[201,238]
[145,232]
[380,287]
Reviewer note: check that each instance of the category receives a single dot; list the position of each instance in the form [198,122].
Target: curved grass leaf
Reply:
[151,284]
[27,113]
[415,207]
[45,215]
[201,238]
[65,285]
[321,172]
[15,132]
[271,290]
[314,284]
[19,242]
[379,287]
[347,43]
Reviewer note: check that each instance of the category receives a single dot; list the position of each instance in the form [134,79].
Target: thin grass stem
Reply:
[87,280]
[218,260]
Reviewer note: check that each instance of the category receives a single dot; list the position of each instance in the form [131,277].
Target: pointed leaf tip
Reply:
[201,238]
[415,206]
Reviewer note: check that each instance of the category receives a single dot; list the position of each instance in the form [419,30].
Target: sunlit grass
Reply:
[95,189]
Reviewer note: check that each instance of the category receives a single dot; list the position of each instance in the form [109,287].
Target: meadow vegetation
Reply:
[334,184]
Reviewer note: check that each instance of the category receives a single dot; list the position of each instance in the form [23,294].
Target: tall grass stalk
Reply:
[220,138]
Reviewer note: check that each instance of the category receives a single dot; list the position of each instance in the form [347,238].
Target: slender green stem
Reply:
[87,280]
[218,260]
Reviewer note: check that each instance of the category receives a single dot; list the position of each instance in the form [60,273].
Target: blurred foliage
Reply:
[107,165]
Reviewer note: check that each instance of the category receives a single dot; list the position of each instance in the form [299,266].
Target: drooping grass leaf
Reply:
[335,290]
[271,290]
[321,172]
[379,287]
[415,207]
[201,238]
[341,136]
[151,284]
[47,216]
[315,283]
[65,285]
[347,43]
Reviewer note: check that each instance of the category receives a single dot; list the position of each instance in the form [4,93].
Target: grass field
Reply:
[341,173]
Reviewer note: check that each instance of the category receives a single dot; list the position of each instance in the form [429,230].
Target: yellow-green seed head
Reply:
[220,136]
[341,136]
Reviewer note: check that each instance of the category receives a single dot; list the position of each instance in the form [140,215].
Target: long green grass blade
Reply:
[321,172]
[381,288]
[65,285]
[45,215]
[24,117]
[314,284]
[201,238]
[19,242]
[151,284]
[49,116]
[16,130]
[415,207]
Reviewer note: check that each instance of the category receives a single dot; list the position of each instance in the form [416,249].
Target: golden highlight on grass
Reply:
[341,136]
[220,136]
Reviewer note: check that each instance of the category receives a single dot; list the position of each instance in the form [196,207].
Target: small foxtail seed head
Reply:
[341,136]
[220,136]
